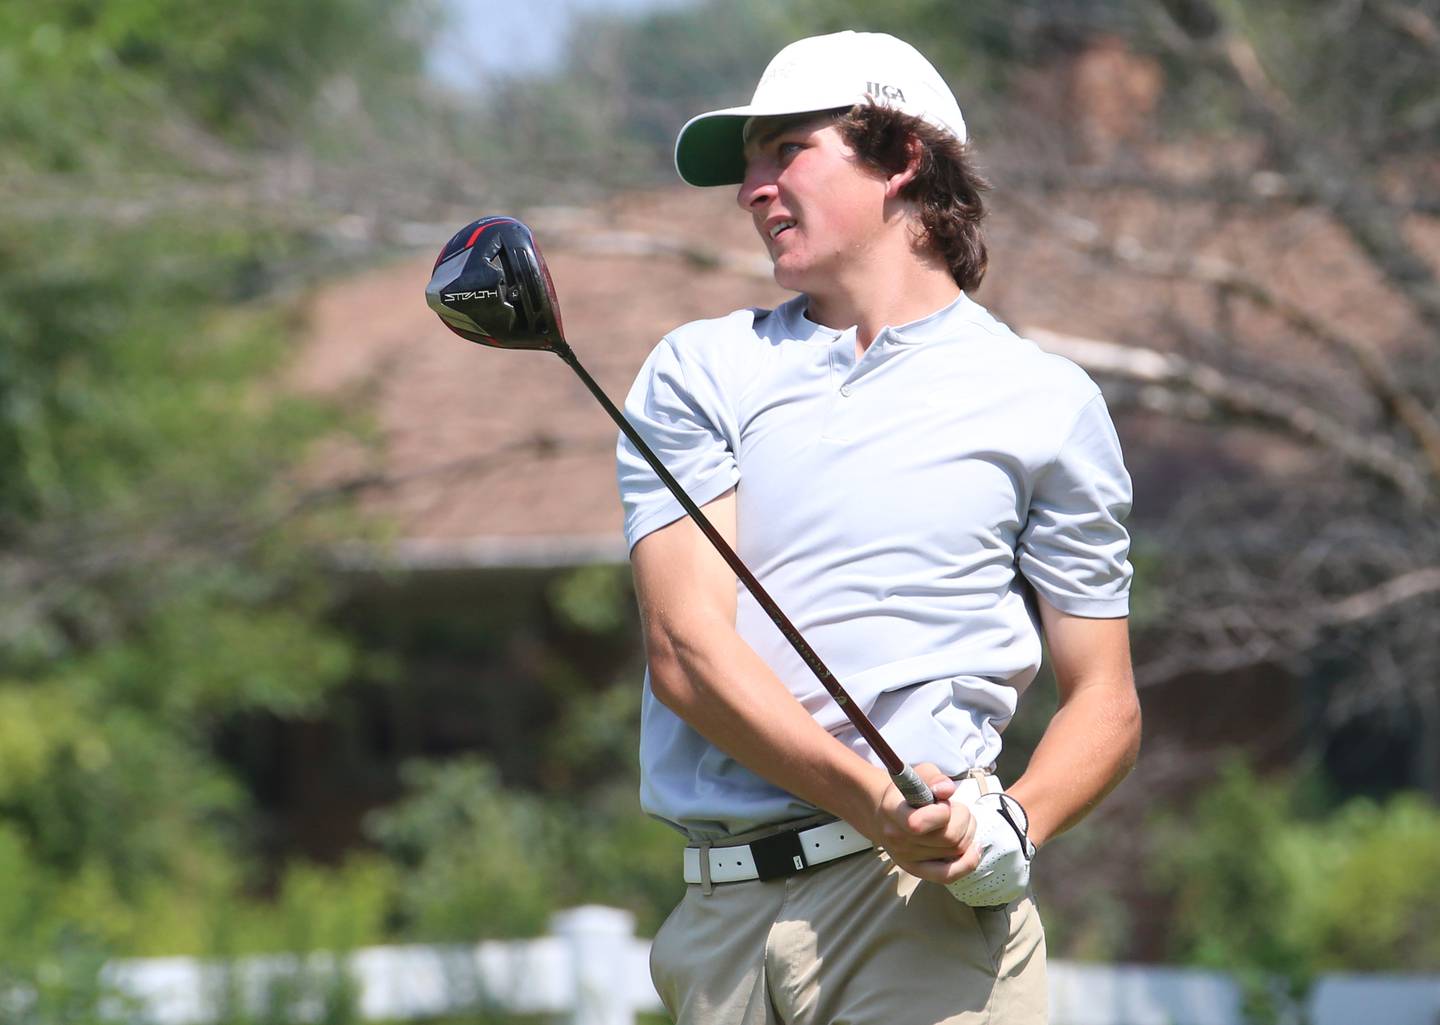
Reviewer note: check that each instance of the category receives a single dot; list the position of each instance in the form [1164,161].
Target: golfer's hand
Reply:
[936,842]
[1003,844]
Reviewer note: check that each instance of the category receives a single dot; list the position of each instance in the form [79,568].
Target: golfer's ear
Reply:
[903,177]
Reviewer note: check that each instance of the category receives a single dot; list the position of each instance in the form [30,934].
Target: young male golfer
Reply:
[924,493]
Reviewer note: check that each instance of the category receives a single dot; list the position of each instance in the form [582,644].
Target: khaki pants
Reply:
[853,942]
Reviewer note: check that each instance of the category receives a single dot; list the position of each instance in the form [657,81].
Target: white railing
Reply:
[593,970]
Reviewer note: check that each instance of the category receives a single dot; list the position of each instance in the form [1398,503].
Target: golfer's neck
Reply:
[871,299]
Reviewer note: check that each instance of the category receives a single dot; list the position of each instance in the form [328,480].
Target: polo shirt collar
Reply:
[940,324]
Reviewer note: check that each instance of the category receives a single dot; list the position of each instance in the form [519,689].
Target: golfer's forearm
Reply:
[718,684]
[1089,747]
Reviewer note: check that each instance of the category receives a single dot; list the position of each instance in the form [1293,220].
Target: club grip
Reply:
[914,789]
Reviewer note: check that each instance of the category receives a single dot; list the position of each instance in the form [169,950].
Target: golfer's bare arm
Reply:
[703,670]
[1094,738]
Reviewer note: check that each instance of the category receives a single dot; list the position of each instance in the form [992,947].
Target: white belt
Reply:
[779,854]
[788,851]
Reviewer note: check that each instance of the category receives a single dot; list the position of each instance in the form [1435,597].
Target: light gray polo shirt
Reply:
[895,508]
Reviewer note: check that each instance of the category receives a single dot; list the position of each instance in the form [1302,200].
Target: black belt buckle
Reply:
[779,855]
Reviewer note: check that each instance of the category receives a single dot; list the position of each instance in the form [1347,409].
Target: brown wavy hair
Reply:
[946,188]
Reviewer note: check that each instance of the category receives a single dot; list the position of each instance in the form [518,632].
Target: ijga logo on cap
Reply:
[884,92]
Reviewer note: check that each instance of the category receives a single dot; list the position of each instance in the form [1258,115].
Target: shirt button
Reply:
[845,389]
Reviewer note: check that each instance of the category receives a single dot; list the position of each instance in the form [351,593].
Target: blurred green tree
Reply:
[1272,885]
[123,85]
[158,570]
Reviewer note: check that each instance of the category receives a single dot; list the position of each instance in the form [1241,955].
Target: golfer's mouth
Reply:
[775,227]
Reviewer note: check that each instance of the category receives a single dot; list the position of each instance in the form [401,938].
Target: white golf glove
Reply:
[1001,828]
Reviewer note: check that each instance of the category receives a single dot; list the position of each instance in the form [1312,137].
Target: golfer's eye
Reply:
[786,150]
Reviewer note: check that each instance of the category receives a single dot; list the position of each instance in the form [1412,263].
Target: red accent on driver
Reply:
[447,252]
[486,226]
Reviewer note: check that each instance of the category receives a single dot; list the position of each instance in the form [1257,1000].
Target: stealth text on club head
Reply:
[490,285]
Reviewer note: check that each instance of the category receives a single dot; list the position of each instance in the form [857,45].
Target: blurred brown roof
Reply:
[494,457]
[504,457]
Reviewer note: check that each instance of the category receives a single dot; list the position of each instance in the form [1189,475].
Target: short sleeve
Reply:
[1074,549]
[679,408]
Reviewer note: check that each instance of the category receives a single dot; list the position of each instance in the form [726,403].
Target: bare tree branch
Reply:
[1241,399]
[1351,196]
[1256,188]
[1245,62]
[1379,599]
[1231,637]
[1178,662]
[1412,21]
[1377,372]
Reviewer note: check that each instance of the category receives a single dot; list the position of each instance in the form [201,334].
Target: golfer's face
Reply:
[814,206]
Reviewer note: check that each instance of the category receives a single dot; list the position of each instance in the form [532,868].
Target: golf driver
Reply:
[490,285]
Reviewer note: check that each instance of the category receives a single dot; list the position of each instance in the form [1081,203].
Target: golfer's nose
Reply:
[758,188]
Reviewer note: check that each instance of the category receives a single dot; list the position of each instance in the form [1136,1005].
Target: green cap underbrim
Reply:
[711,150]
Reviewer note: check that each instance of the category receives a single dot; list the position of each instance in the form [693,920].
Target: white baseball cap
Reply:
[815,74]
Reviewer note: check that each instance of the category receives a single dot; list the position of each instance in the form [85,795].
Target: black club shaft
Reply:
[916,792]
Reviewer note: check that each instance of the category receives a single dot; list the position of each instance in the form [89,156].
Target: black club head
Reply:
[490,285]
